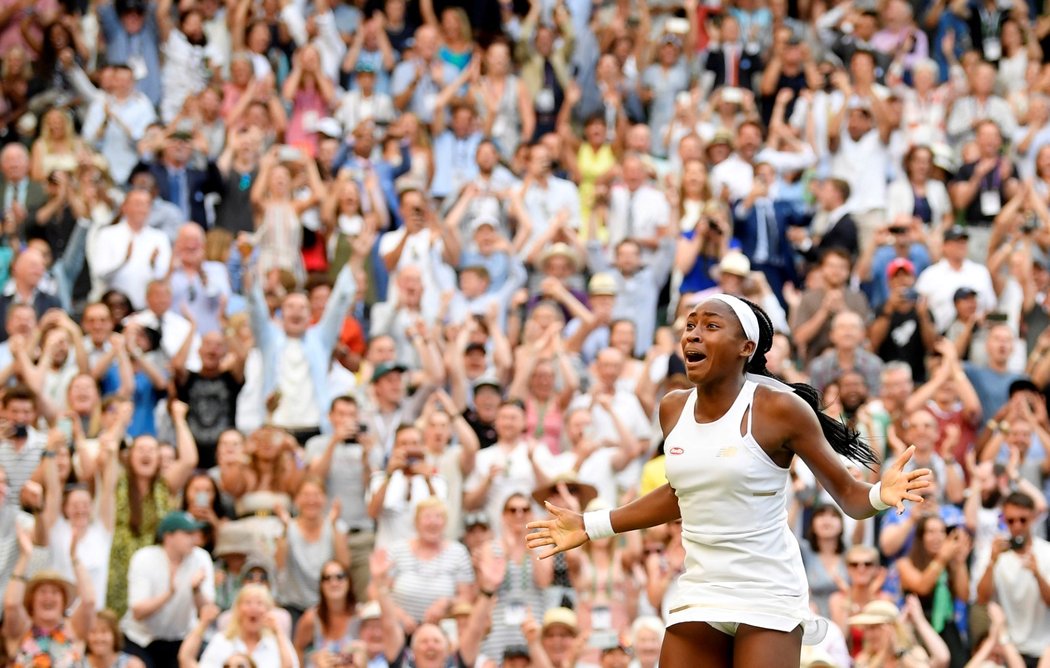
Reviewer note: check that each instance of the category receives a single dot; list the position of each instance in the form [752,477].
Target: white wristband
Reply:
[875,497]
[598,524]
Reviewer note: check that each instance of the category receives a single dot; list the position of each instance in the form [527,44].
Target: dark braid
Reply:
[843,439]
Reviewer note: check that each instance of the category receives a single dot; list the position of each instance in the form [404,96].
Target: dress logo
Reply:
[675,451]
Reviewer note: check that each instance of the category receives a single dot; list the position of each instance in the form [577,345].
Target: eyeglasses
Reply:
[236,664]
[1010,521]
[653,550]
[517,510]
[333,577]
[860,564]
[257,576]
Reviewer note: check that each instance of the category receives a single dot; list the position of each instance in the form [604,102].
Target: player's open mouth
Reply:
[694,357]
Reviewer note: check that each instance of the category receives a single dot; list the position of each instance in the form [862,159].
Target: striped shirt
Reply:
[20,464]
[420,582]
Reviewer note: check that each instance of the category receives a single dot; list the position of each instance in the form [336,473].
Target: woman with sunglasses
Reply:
[822,551]
[865,579]
[326,631]
[730,442]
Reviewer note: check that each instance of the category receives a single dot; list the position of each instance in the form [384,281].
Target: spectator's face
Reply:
[983,79]
[241,72]
[343,416]
[136,208]
[252,608]
[1000,345]
[48,603]
[749,140]
[83,394]
[988,139]
[539,161]
[934,535]
[487,157]
[310,500]
[29,267]
[426,42]
[158,297]
[923,431]
[180,542]
[371,633]
[559,267]
[144,458]
[579,425]
[859,123]
[861,566]
[634,175]
[628,258]
[472,284]
[101,641]
[827,524]
[486,403]
[865,26]
[955,251]
[920,165]
[382,349]
[615,658]
[77,508]
[295,314]
[1018,520]
[212,351]
[558,641]
[20,412]
[896,387]
[608,366]
[853,391]
[475,361]
[439,430]
[510,423]
[835,270]
[390,387]
[230,447]
[847,332]
[429,645]
[730,30]
[1020,435]
[545,41]
[595,132]
[133,22]
[621,337]
[59,340]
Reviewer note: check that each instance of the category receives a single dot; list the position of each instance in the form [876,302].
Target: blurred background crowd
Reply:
[306,306]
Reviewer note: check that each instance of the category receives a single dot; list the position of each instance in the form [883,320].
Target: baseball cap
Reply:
[329,127]
[721,137]
[488,381]
[476,519]
[369,611]
[364,67]
[898,263]
[383,368]
[481,221]
[956,232]
[182,135]
[602,284]
[515,652]
[474,347]
[563,616]
[178,520]
[964,293]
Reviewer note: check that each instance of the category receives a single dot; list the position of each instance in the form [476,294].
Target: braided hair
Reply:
[843,439]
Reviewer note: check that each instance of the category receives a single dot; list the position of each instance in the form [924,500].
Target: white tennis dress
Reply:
[742,563]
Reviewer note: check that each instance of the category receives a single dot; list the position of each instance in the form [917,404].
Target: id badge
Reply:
[601,618]
[993,48]
[514,613]
[138,67]
[429,102]
[991,204]
[309,120]
[545,101]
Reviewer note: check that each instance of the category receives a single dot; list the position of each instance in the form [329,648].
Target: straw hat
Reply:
[52,577]
[876,612]
[561,249]
[583,492]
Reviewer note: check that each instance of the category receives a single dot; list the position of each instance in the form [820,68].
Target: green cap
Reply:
[383,368]
[178,520]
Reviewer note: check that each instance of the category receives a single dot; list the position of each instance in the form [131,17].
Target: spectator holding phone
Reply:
[1018,578]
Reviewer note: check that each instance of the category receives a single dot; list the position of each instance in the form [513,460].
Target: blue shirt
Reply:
[142,47]
[992,387]
[878,288]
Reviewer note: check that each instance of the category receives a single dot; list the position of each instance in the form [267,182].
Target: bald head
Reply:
[14,162]
[28,268]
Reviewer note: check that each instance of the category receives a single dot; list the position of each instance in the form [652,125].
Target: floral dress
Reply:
[57,648]
[126,541]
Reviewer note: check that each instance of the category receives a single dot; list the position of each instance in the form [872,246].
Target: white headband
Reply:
[746,316]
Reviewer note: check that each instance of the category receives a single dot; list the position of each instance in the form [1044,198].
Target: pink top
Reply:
[544,423]
[307,108]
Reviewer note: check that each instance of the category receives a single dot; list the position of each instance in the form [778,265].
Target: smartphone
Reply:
[996,317]
[289,154]
[677,25]
[200,499]
[65,425]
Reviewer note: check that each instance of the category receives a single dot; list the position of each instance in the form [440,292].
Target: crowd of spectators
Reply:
[306,306]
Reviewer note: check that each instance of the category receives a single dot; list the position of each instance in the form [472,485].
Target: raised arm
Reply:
[179,472]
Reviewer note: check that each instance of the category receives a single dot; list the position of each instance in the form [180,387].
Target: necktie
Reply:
[772,233]
[732,75]
[629,231]
[178,194]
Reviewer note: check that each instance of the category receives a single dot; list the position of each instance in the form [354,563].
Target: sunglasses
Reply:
[860,564]
[333,577]
[517,510]
[1010,521]
[257,577]
[653,550]
[236,664]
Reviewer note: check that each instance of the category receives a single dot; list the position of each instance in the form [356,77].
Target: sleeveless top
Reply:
[742,563]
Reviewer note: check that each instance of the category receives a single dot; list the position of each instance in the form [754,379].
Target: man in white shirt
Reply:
[637,210]
[394,493]
[939,282]
[1018,577]
[117,121]
[546,196]
[130,254]
[502,469]
[173,327]
[167,585]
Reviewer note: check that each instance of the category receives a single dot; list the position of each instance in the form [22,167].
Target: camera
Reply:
[898,229]
[20,431]
[1030,225]
[1017,543]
